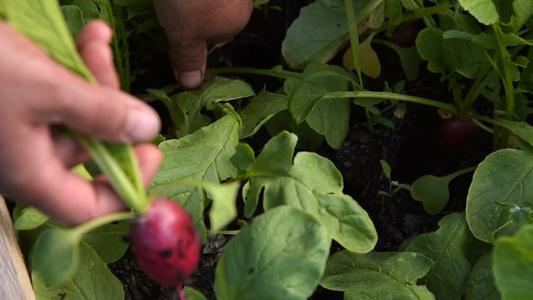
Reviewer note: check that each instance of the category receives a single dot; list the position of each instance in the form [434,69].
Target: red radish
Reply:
[456,132]
[166,243]
[404,36]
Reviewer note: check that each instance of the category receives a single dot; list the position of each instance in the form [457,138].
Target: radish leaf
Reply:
[378,275]
[310,183]
[447,248]
[284,244]
[513,265]
[101,284]
[500,183]
[481,285]
[203,156]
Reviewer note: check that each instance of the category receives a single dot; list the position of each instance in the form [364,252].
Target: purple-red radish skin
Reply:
[405,36]
[166,243]
[457,132]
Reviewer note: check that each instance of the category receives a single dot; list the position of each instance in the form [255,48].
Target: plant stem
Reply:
[279,73]
[354,39]
[392,96]
[134,198]
[86,227]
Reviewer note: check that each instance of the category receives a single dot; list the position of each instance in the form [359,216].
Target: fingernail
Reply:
[190,79]
[141,126]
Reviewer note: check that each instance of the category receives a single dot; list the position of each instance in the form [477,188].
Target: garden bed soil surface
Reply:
[412,149]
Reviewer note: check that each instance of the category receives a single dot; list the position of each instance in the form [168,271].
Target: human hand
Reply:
[37,95]
[190,25]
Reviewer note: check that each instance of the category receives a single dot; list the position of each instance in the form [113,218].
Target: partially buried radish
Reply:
[457,132]
[166,243]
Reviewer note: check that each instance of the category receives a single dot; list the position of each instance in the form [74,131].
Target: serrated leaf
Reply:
[261,109]
[501,181]
[328,116]
[522,11]
[186,106]
[312,184]
[447,248]
[280,255]
[204,155]
[513,265]
[481,285]
[91,281]
[377,275]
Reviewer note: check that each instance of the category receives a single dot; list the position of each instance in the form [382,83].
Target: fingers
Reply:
[93,46]
[188,59]
[189,24]
[72,200]
[101,112]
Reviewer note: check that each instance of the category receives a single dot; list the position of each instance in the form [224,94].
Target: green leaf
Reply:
[433,191]
[108,240]
[409,59]
[193,294]
[377,275]
[320,30]
[205,156]
[386,168]
[520,128]
[223,210]
[43,22]
[77,13]
[328,116]
[312,184]
[55,255]
[261,109]
[483,10]
[316,80]
[481,285]
[430,45]
[308,138]
[513,265]
[88,8]
[74,18]
[447,248]
[411,4]
[522,11]
[370,64]
[501,181]
[30,218]
[186,106]
[470,59]
[280,255]
[101,284]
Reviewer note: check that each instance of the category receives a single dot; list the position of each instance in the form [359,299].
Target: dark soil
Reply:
[412,149]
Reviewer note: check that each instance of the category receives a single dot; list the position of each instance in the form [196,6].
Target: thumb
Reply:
[188,59]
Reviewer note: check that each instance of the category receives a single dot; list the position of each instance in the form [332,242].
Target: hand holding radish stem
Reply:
[36,96]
